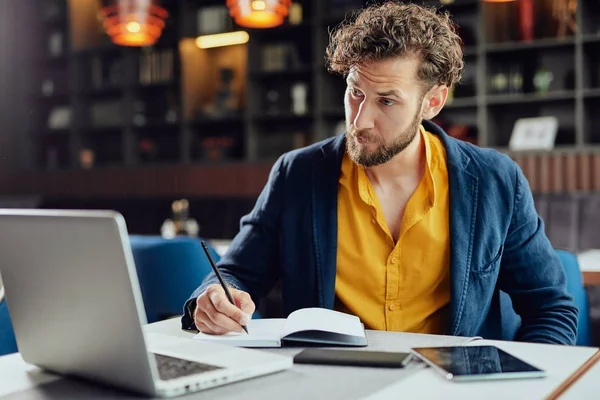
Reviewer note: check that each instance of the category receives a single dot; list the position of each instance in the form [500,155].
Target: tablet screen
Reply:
[471,361]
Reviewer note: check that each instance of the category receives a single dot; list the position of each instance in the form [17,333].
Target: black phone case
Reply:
[358,358]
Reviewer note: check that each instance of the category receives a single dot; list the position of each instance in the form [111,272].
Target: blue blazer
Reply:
[507,282]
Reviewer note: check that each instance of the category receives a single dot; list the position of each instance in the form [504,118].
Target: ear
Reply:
[434,101]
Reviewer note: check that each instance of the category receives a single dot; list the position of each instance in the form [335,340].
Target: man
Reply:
[394,221]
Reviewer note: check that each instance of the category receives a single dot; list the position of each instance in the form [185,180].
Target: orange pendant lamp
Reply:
[133,22]
[258,13]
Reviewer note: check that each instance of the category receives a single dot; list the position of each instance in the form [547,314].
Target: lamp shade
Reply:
[133,22]
[258,13]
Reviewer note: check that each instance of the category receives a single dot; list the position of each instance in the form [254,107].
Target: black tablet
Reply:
[462,363]
[358,358]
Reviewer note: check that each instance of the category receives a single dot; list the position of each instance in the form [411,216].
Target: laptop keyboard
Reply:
[171,367]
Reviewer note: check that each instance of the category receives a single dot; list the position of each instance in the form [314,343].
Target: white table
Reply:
[19,381]
[559,361]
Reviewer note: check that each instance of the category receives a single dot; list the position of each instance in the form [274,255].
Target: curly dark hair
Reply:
[391,29]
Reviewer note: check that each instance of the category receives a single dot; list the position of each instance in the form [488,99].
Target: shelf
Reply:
[111,91]
[593,93]
[590,38]
[168,126]
[101,130]
[272,34]
[173,84]
[469,51]
[538,44]
[281,117]
[529,98]
[462,102]
[306,23]
[336,17]
[196,81]
[216,120]
[305,70]
[98,51]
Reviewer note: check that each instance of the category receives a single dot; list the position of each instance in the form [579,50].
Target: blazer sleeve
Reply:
[250,263]
[533,275]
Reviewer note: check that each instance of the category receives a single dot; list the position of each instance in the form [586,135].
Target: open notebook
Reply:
[308,325]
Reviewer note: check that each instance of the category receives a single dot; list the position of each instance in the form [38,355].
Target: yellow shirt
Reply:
[402,286]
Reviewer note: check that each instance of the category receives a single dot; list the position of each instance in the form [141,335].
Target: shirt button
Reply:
[394,260]
[392,307]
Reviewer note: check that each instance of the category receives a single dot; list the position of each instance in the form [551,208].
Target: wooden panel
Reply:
[591,278]
[235,180]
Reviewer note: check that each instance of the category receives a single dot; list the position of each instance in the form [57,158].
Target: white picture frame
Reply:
[538,133]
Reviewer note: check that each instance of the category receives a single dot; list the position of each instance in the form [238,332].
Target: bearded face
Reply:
[384,107]
[369,149]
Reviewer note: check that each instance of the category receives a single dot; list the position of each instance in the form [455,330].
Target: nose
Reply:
[364,117]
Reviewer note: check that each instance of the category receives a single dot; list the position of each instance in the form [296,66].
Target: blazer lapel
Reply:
[463,211]
[326,172]
[463,195]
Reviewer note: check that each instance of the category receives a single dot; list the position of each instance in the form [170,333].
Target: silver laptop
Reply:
[75,302]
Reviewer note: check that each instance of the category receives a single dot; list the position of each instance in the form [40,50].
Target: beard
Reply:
[385,151]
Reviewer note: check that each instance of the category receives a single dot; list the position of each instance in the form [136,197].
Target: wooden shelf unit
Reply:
[144,111]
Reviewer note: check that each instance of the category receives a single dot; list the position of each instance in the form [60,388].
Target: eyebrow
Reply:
[391,92]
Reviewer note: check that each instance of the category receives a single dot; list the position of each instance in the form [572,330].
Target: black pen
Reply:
[223,284]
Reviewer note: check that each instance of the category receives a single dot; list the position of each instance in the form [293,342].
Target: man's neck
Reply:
[402,170]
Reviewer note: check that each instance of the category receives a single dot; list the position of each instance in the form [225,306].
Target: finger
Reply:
[244,302]
[202,327]
[223,305]
[202,319]
[221,319]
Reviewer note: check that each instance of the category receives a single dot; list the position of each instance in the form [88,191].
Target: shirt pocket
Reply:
[487,267]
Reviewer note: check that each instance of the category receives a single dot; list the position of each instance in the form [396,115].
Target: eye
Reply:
[388,102]
[355,92]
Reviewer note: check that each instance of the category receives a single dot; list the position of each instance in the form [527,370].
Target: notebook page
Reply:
[322,319]
[261,332]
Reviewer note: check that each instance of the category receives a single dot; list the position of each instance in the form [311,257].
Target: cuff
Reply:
[187,320]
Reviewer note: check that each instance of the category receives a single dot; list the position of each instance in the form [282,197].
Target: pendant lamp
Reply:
[258,13]
[133,22]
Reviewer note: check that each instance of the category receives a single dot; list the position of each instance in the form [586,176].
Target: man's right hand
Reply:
[216,315]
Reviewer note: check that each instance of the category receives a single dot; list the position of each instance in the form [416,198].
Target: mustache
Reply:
[361,133]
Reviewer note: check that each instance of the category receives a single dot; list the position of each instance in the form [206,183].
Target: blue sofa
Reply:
[576,288]
[7,336]
[168,271]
